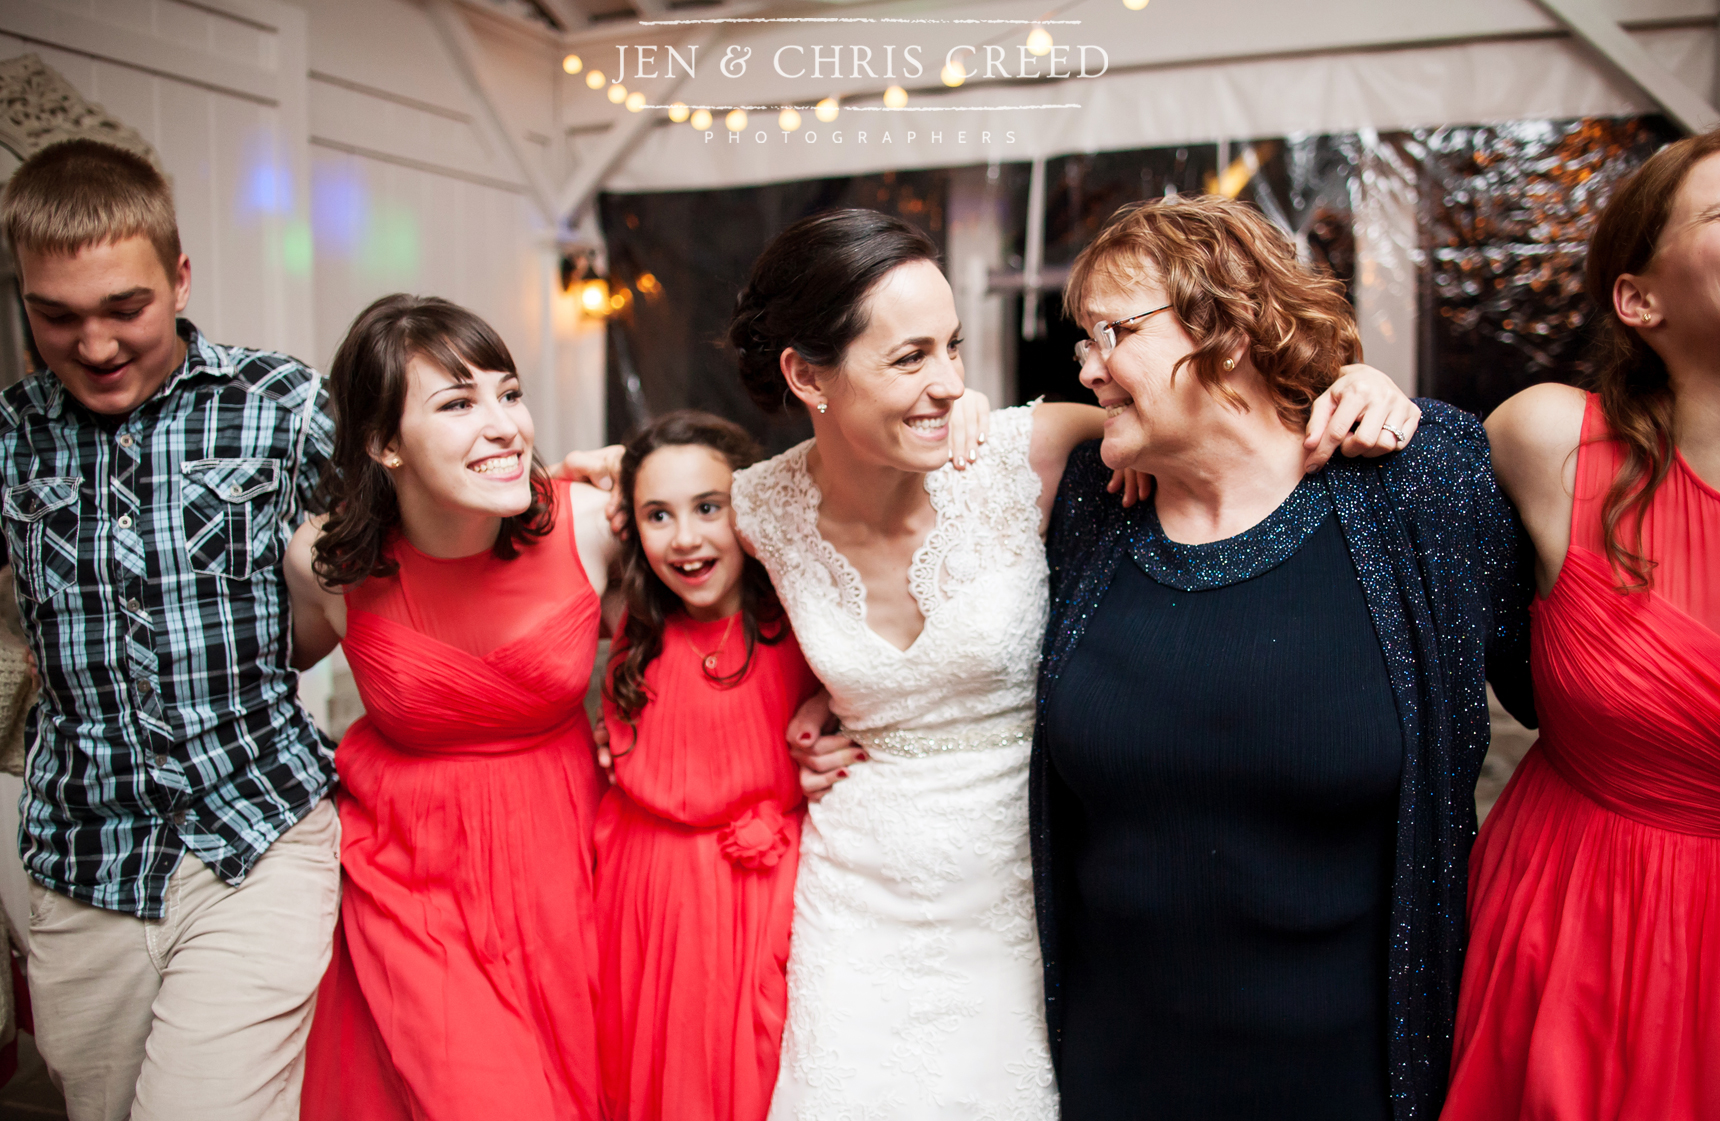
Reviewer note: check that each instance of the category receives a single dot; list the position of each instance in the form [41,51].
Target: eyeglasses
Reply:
[1105,336]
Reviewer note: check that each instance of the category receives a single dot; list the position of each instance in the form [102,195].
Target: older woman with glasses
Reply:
[1262,705]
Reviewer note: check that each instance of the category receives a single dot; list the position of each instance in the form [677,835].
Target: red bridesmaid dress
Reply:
[697,846]
[1591,989]
[463,984]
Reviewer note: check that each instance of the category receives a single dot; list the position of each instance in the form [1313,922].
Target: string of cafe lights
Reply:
[1039,44]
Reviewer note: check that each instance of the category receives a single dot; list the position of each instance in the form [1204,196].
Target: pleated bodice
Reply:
[704,753]
[1628,684]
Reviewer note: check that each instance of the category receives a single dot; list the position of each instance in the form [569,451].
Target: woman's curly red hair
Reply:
[1234,280]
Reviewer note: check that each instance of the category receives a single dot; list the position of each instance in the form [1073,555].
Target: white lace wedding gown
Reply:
[914,984]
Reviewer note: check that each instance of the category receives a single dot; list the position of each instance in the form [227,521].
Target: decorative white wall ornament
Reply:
[38,107]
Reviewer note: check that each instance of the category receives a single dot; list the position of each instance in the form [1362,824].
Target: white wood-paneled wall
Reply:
[324,153]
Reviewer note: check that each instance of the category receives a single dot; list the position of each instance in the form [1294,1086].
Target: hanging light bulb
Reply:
[617,93]
[594,79]
[952,74]
[572,64]
[789,119]
[895,97]
[678,111]
[701,119]
[827,110]
[736,120]
[594,296]
[1134,5]
[635,101]
[1039,41]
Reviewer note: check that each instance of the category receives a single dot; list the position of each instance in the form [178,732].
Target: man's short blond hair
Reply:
[84,192]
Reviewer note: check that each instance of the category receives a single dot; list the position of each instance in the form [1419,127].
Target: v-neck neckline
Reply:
[845,568]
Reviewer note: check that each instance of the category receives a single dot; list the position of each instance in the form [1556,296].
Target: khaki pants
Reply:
[200,1015]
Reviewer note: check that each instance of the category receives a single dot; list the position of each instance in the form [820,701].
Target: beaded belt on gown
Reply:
[1014,730]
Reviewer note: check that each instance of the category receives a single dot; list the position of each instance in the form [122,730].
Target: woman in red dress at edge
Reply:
[1591,988]
[463,983]
[699,838]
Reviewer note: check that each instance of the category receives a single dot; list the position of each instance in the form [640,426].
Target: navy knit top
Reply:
[1445,578]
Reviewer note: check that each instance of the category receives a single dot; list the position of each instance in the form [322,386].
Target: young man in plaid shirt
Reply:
[176,823]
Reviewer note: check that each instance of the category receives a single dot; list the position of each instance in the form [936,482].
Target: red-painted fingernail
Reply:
[841,774]
[861,757]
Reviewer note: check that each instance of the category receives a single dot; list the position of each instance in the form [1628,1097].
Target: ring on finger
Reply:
[1397,433]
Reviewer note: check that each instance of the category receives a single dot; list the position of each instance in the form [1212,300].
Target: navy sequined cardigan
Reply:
[1447,573]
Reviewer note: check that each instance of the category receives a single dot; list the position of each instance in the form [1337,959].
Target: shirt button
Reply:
[125,440]
[125,521]
[144,686]
[236,491]
[179,817]
[132,604]
[160,760]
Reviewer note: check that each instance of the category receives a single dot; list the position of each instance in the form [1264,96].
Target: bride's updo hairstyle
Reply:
[808,291]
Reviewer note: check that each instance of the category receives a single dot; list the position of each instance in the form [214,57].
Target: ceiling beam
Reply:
[1623,54]
[587,179]
[572,15]
[609,30]
[464,51]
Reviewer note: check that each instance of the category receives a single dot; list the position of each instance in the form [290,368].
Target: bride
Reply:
[918,594]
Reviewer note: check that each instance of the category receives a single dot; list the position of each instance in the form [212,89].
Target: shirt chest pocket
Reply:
[42,517]
[230,515]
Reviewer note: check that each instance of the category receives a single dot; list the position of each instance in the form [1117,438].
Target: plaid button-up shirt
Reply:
[148,561]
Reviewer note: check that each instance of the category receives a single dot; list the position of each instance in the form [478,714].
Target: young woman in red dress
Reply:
[465,588]
[698,840]
[1592,984]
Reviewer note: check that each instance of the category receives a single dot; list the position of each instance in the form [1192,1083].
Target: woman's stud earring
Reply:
[823,408]
[1646,316]
[1229,364]
[393,461]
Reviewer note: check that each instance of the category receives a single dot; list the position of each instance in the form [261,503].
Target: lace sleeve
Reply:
[776,514]
[766,497]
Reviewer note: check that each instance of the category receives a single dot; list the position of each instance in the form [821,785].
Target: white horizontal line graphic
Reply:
[857,19]
[871,108]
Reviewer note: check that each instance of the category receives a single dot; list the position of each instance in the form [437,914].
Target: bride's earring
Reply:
[393,461]
[823,408]
[1229,364]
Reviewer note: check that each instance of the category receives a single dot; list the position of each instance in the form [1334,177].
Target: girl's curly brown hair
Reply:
[649,601]
[1234,280]
[367,393]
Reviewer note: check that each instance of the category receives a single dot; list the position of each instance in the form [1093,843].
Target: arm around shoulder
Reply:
[319,615]
[592,533]
[1059,427]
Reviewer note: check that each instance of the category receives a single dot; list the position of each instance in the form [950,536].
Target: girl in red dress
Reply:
[465,591]
[698,839]
[1591,988]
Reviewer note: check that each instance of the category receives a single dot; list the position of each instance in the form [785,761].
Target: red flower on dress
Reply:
[757,838]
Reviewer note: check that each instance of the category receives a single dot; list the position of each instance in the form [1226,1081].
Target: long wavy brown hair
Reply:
[649,601]
[1233,278]
[367,393]
[1631,379]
